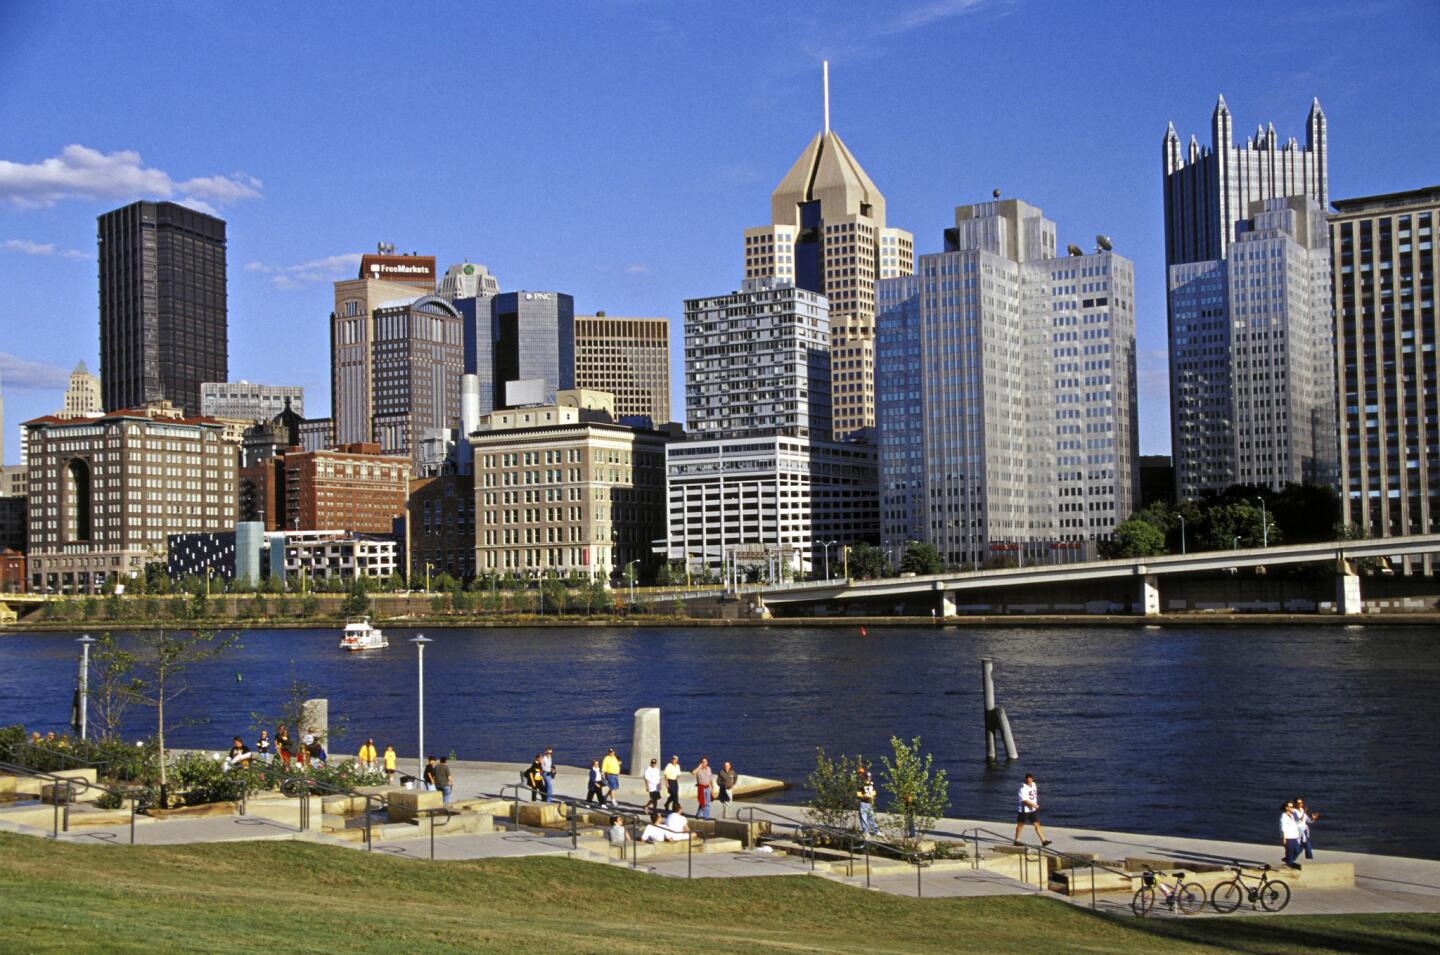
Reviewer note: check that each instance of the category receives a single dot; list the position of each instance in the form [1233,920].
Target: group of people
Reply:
[603,783]
[1295,822]
[436,777]
[308,750]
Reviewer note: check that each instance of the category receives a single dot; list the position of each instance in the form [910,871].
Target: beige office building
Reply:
[561,490]
[627,357]
[827,234]
[1384,264]
[105,492]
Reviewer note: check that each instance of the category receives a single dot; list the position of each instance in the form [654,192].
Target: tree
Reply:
[832,784]
[867,562]
[1135,537]
[918,794]
[164,657]
[556,595]
[357,601]
[920,559]
[295,715]
[113,686]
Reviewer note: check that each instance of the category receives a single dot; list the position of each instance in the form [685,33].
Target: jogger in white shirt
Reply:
[1027,812]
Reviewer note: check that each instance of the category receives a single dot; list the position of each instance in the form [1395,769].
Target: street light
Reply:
[1236,543]
[631,575]
[1264,524]
[420,640]
[428,565]
[1182,532]
[84,642]
[827,557]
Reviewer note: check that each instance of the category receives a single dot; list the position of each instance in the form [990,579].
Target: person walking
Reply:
[547,767]
[725,779]
[595,791]
[1290,835]
[865,797]
[441,775]
[1027,812]
[427,777]
[366,756]
[389,764]
[1304,817]
[262,747]
[282,745]
[652,785]
[704,780]
[610,766]
[672,784]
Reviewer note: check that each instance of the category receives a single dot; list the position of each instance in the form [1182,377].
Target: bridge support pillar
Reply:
[1149,595]
[945,603]
[1347,594]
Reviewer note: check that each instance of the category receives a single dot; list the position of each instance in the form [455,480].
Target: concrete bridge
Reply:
[1145,571]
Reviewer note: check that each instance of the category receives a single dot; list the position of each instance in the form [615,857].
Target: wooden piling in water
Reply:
[996,723]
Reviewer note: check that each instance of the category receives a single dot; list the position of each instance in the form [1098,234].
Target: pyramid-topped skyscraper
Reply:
[827,234]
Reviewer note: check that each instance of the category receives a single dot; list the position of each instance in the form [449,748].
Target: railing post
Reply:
[432,835]
[369,836]
[867,862]
[574,833]
[134,800]
[918,892]
[690,856]
[1092,885]
[69,795]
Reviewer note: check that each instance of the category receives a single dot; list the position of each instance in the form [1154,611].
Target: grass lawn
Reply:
[278,897]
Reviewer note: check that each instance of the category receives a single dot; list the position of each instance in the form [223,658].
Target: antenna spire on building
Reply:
[825,82]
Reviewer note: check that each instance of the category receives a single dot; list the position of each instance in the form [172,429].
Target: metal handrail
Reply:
[1075,861]
[292,786]
[84,785]
[27,746]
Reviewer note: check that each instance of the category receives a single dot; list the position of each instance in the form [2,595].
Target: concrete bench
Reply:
[406,805]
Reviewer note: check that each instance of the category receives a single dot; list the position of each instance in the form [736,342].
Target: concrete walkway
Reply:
[1382,883]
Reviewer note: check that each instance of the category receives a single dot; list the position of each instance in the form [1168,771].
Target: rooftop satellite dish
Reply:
[1075,249]
[995,194]
[1103,242]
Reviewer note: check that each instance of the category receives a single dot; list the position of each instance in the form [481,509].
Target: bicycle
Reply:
[1272,894]
[1188,897]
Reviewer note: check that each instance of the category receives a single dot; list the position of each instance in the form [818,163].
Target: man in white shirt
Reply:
[547,766]
[652,784]
[677,827]
[1290,835]
[1027,810]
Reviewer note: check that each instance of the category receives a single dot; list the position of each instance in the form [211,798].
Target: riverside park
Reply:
[1124,728]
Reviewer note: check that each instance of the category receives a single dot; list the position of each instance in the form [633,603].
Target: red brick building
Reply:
[12,572]
[353,488]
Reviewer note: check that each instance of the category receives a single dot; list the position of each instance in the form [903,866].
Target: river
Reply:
[1185,731]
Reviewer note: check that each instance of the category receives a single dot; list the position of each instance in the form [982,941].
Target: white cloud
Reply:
[80,172]
[926,14]
[291,277]
[638,269]
[20,374]
[26,247]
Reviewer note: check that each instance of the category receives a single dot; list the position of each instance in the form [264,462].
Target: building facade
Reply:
[353,488]
[1384,263]
[246,401]
[533,339]
[312,555]
[827,234]
[630,359]
[82,395]
[468,280]
[419,352]
[14,507]
[163,323]
[565,492]
[442,526]
[758,361]
[105,493]
[1007,393]
[1219,364]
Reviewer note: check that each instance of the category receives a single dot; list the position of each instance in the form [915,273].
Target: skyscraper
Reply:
[418,354]
[827,234]
[1006,385]
[163,327]
[82,397]
[630,359]
[1236,385]
[468,280]
[245,400]
[533,339]
[1385,262]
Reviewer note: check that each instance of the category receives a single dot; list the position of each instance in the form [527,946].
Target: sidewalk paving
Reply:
[1382,883]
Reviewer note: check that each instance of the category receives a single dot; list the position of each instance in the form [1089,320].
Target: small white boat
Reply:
[359,635]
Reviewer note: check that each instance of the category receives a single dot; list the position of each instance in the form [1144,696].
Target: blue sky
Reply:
[617,150]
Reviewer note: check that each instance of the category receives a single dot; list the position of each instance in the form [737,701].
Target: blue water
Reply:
[1197,732]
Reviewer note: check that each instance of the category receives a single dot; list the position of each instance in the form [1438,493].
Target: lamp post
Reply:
[84,642]
[1264,524]
[630,575]
[1236,543]
[1182,532]
[827,557]
[420,640]
[428,565]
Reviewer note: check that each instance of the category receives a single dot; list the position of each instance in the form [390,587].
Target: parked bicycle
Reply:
[1272,894]
[1188,897]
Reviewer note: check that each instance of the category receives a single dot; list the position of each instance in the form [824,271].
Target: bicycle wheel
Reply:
[1190,898]
[1274,895]
[1144,900]
[1227,896]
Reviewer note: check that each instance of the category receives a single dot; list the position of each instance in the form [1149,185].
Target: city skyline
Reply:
[659,132]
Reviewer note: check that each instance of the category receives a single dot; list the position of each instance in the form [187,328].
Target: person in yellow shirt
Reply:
[390,764]
[366,756]
[610,766]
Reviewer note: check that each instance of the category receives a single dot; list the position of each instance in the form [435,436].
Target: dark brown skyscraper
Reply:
[163,326]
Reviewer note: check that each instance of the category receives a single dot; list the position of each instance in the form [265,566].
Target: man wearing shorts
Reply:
[1027,812]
